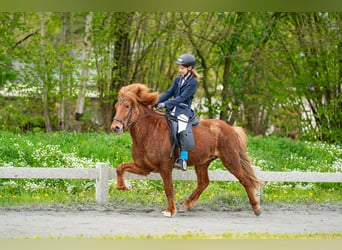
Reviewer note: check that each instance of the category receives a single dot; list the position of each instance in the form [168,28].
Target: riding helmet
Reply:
[186,60]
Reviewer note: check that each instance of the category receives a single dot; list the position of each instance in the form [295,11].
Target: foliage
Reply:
[8,24]
[283,154]
[29,118]
[6,73]
[314,41]
[258,69]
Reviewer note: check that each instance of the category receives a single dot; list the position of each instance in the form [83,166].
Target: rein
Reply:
[129,114]
[174,118]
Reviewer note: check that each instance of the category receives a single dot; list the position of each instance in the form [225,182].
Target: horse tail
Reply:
[244,158]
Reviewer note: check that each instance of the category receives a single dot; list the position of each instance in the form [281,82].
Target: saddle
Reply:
[187,138]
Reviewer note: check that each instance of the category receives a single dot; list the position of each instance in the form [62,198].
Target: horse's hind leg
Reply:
[202,183]
[234,166]
[251,192]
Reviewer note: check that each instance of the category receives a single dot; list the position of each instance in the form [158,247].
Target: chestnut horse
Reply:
[151,147]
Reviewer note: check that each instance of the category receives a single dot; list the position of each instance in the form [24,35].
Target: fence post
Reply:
[102,183]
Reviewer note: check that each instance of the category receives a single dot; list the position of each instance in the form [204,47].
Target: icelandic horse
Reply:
[151,147]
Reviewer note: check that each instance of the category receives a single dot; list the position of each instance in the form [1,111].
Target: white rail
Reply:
[103,173]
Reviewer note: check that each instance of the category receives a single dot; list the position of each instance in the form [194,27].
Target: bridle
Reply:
[128,115]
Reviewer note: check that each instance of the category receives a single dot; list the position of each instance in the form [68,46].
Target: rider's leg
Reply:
[183,157]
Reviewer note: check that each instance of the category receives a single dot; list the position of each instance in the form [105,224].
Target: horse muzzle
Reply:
[117,129]
[117,126]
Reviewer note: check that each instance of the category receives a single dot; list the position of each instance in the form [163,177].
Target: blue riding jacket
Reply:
[182,95]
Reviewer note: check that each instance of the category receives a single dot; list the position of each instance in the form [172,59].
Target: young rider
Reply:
[182,90]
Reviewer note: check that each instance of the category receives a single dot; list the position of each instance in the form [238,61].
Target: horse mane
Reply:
[139,93]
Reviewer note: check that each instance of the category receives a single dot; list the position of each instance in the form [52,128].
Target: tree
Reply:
[111,41]
[8,23]
[79,110]
[316,70]
[45,76]
[202,44]
[257,69]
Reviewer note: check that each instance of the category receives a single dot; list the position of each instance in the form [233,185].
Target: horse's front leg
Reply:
[202,184]
[129,167]
[168,188]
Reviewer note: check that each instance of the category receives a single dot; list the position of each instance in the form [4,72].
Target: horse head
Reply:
[122,119]
[133,100]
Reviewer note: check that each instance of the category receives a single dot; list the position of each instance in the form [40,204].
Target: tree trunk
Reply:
[121,63]
[45,89]
[61,110]
[79,110]
[227,95]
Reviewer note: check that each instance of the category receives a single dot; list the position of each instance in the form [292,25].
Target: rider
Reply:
[182,90]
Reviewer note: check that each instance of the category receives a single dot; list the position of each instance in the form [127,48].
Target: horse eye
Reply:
[127,107]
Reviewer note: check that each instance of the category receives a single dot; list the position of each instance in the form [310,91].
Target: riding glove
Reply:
[161,105]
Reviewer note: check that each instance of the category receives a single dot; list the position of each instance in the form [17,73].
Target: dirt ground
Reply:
[99,221]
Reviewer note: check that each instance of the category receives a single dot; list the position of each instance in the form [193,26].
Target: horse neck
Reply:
[139,127]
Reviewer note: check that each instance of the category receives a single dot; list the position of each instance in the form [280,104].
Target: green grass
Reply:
[283,154]
[72,150]
[20,149]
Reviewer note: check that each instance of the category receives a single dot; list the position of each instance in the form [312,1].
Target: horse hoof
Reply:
[257,212]
[128,185]
[183,209]
[167,214]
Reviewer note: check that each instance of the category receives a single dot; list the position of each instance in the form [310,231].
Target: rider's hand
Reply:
[161,105]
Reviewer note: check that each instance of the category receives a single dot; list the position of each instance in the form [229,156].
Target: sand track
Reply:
[99,221]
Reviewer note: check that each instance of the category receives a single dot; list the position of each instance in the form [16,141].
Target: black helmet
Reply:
[186,60]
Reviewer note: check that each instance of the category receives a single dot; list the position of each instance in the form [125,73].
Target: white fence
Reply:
[103,173]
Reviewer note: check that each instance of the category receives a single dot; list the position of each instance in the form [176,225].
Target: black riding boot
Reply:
[181,161]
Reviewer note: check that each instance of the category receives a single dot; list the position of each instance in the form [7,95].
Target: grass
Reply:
[283,154]
[75,150]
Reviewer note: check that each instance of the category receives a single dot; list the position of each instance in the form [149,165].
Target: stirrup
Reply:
[180,164]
